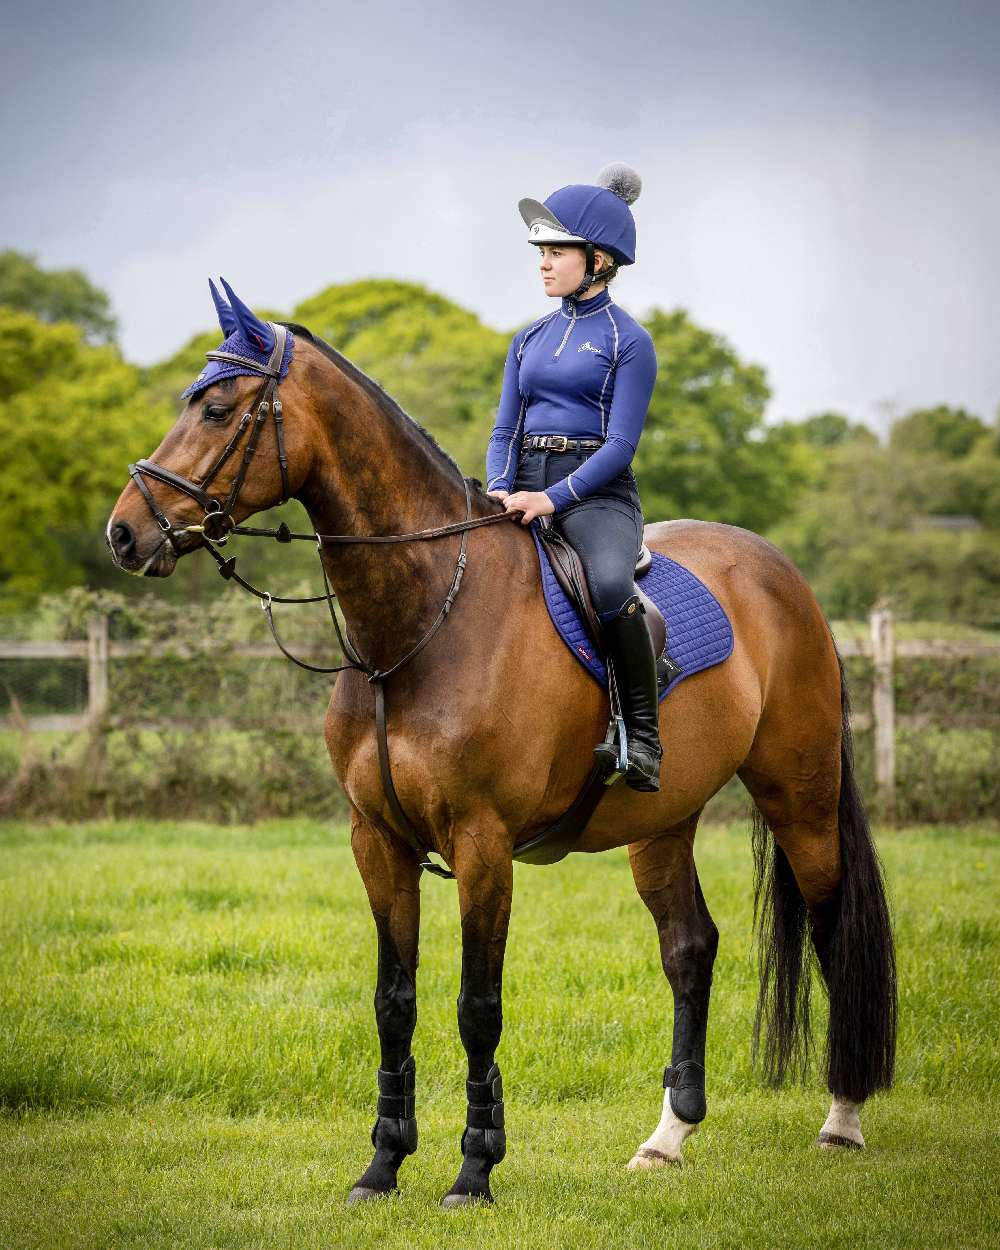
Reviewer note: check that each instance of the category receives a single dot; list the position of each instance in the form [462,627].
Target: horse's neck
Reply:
[376,473]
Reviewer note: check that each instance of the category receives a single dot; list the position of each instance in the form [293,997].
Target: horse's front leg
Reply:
[485,884]
[391,875]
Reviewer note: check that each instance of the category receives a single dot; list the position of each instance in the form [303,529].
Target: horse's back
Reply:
[742,569]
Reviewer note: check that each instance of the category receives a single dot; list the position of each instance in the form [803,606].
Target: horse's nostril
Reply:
[122,538]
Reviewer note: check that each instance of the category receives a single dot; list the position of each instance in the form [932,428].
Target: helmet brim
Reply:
[543,225]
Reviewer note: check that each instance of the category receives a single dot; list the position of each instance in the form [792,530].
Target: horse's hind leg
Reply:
[825,883]
[800,902]
[391,875]
[667,881]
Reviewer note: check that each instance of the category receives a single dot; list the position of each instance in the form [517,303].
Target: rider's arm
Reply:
[635,376]
[502,453]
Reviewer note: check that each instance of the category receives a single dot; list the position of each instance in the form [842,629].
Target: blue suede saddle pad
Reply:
[699,633]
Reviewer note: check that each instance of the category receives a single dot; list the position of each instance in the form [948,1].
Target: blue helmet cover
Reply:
[597,214]
[246,335]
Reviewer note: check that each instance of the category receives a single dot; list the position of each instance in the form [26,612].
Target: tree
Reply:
[75,416]
[861,533]
[437,360]
[941,431]
[832,429]
[55,295]
[706,451]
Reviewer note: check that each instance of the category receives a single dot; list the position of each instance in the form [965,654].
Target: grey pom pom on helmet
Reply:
[622,180]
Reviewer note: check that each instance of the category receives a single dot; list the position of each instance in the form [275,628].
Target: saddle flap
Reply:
[568,570]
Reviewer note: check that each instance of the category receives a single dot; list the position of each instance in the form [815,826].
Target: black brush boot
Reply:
[630,652]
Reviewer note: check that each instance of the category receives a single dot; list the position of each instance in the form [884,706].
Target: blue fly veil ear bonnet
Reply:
[594,215]
[248,348]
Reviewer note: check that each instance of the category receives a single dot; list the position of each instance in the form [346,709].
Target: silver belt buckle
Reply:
[561,439]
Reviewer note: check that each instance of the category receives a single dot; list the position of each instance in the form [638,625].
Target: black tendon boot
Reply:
[630,652]
[394,1135]
[484,1142]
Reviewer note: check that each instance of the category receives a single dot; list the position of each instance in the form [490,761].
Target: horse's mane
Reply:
[389,406]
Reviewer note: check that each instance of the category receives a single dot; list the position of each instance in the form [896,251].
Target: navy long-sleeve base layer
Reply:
[586,370]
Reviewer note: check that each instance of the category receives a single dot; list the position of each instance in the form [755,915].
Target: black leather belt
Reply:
[559,442]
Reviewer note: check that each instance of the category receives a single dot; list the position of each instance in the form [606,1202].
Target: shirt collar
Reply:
[599,301]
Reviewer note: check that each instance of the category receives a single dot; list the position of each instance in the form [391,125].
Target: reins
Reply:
[218,525]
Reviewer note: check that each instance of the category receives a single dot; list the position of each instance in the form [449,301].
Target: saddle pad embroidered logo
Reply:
[699,634]
[589,347]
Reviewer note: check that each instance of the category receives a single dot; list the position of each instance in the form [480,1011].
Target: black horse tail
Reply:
[853,939]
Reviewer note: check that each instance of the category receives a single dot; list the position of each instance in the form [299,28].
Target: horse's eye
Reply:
[216,412]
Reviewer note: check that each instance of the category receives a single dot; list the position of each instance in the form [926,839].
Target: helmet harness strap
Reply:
[589,276]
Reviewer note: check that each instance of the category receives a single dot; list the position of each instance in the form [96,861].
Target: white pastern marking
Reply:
[843,1121]
[671,1134]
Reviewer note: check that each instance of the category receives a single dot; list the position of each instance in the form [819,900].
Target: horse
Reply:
[490,725]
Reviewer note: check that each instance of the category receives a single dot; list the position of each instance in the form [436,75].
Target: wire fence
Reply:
[125,690]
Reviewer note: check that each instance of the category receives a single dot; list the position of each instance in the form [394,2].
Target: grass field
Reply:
[187,1055]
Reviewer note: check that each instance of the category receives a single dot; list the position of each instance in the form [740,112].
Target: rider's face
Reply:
[562,268]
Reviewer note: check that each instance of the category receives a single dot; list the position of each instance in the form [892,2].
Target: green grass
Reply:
[187,1054]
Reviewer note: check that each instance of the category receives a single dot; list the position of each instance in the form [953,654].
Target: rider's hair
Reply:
[607,272]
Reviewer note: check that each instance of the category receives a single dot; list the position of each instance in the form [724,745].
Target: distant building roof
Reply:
[945,521]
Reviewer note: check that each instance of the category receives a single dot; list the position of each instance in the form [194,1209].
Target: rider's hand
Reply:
[498,494]
[533,503]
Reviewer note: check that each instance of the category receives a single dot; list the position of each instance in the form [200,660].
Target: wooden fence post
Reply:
[884,710]
[97,669]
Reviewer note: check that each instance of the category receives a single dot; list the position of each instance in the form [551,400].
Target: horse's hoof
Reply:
[361,1193]
[646,1157]
[452,1201]
[834,1141]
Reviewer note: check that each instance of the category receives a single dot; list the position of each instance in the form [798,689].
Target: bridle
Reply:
[218,524]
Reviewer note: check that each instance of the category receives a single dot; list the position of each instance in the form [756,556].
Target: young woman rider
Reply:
[576,388]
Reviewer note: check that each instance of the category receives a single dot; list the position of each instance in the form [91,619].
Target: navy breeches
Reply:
[605,529]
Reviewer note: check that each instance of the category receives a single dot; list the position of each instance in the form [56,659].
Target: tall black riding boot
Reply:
[630,651]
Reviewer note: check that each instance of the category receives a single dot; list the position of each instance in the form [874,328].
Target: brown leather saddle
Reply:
[568,571]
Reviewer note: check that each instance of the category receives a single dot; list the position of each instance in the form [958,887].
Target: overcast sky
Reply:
[821,180]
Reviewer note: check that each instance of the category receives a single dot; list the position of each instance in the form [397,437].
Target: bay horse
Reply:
[491,727]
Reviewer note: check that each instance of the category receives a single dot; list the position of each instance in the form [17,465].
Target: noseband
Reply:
[219,520]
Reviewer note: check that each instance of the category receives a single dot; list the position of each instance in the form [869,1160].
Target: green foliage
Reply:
[76,414]
[861,520]
[831,429]
[866,532]
[438,361]
[55,295]
[940,431]
[705,451]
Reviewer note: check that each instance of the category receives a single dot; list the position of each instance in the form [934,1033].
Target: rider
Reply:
[576,388]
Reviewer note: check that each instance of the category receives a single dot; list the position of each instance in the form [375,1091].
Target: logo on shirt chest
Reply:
[589,347]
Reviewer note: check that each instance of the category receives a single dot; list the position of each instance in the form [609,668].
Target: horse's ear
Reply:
[226,318]
[254,330]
